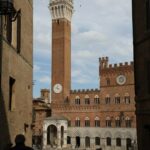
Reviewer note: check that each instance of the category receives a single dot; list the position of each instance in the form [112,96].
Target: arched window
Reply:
[96,99]
[107,81]
[87,122]
[77,122]
[118,122]
[108,122]
[108,141]
[97,141]
[127,98]
[117,99]
[87,99]
[77,100]
[128,122]
[118,141]
[107,99]
[97,122]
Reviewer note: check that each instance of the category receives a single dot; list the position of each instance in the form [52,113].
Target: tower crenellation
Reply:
[104,64]
[61,9]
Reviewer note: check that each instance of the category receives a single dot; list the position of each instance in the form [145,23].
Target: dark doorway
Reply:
[128,141]
[118,141]
[97,141]
[77,141]
[87,141]
[62,136]
[68,140]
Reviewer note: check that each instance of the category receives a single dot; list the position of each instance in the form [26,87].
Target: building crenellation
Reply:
[103,63]
[84,91]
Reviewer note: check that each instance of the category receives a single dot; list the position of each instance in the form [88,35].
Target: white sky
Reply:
[99,28]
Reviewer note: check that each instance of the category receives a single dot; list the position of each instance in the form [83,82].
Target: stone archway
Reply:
[52,136]
[87,141]
[55,132]
[128,143]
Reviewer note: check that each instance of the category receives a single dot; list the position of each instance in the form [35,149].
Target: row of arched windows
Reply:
[117,99]
[108,121]
[98,141]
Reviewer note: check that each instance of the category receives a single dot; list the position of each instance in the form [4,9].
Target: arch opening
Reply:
[52,135]
[77,141]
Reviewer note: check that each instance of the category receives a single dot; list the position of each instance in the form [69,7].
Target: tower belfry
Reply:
[61,9]
[61,12]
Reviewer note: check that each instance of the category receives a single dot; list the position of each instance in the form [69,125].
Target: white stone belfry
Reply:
[61,9]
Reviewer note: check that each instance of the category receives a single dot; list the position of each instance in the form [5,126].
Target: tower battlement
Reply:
[104,64]
[61,9]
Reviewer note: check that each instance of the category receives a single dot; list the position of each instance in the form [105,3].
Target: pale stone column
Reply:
[103,143]
[73,142]
[44,139]
[92,142]
[113,142]
[58,138]
[65,138]
[82,141]
[123,142]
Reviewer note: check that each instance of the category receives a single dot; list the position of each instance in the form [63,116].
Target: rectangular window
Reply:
[11,94]
[9,29]
[148,14]
[18,47]
[14,31]
[48,113]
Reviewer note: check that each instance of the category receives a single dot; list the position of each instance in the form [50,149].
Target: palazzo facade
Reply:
[92,119]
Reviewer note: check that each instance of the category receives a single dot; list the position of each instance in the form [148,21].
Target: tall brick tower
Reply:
[61,12]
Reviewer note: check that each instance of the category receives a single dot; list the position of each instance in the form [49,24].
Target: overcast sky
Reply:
[99,28]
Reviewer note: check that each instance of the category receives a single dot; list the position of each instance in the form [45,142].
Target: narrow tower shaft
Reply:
[61,11]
